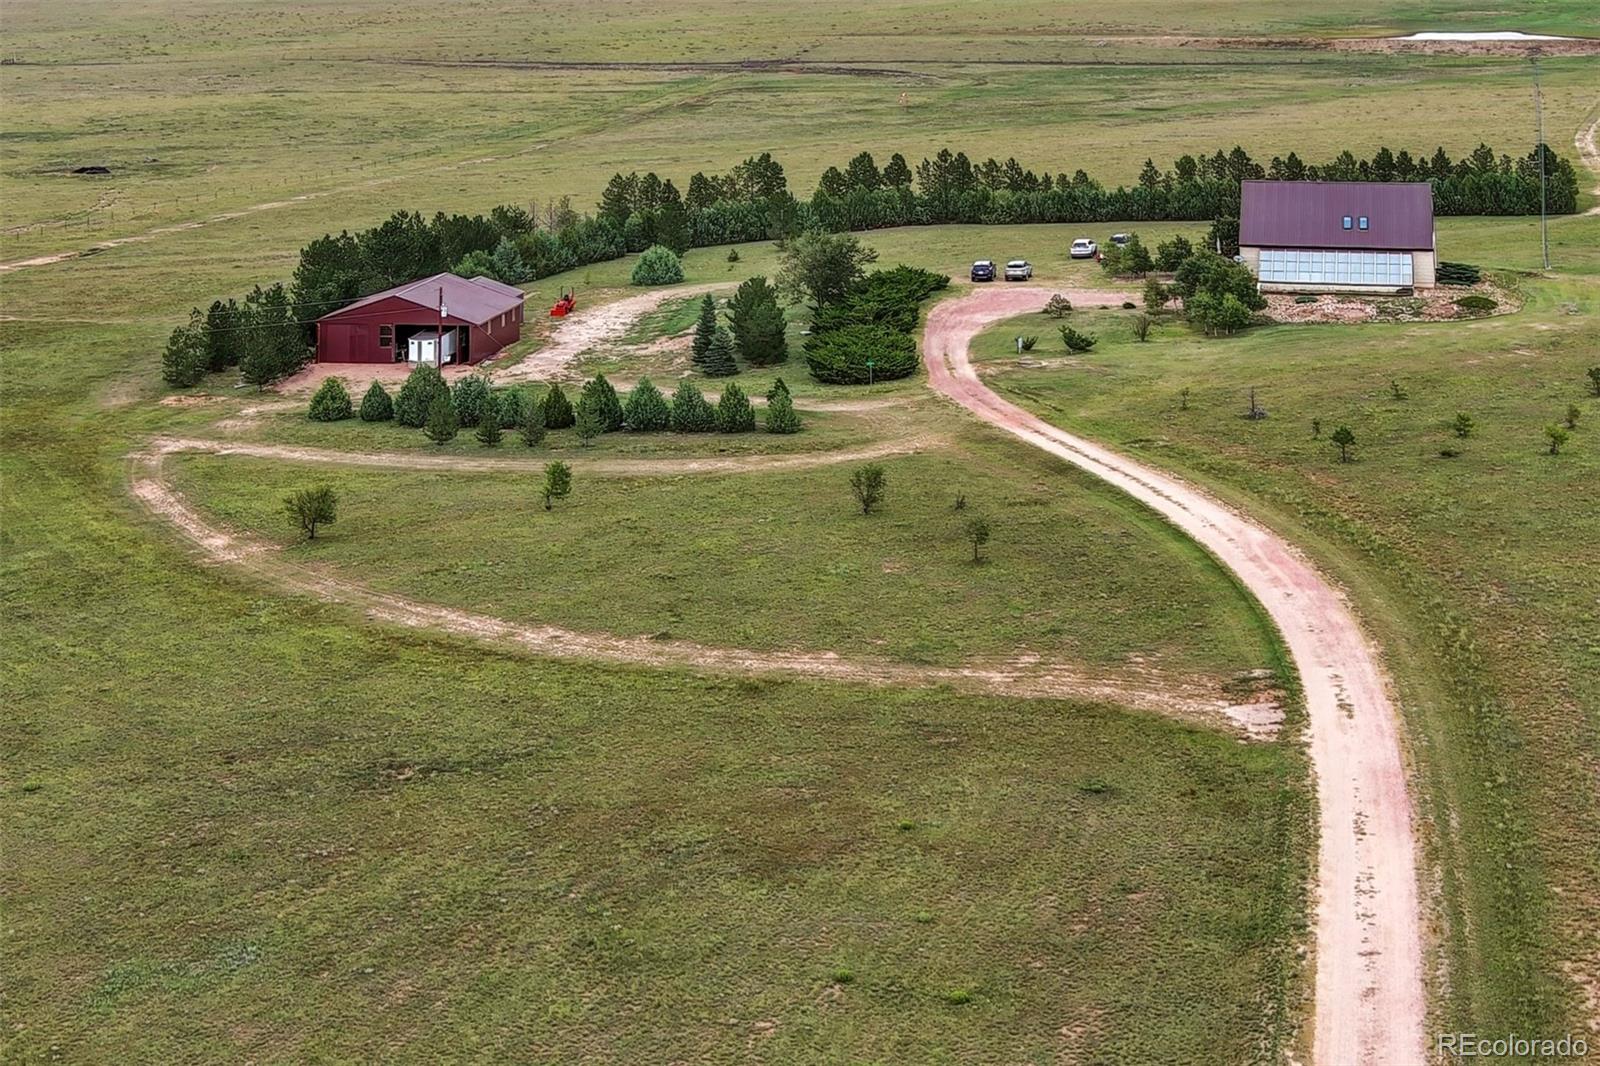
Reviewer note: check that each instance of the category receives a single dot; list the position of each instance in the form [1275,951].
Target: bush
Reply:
[1344,440]
[1305,299]
[1594,379]
[417,394]
[557,483]
[781,416]
[647,410]
[1574,412]
[558,413]
[1128,260]
[376,406]
[841,357]
[1448,273]
[977,531]
[733,255]
[331,403]
[658,265]
[471,399]
[734,413]
[1075,341]
[889,298]
[690,411]
[1557,436]
[1209,272]
[532,427]
[513,407]
[1217,314]
[868,484]
[442,424]
[1026,343]
[1156,295]
[1128,305]
[1475,304]
[1058,306]
[1462,425]
[310,508]
[598,392]
[1141,328]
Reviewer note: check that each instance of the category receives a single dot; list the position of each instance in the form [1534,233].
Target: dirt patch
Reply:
[1369,1000]
[1589,148]
[1454,46]
[1429,305]
[358,377]
[1199,700]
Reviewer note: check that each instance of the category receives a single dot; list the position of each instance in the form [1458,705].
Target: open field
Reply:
[243,824]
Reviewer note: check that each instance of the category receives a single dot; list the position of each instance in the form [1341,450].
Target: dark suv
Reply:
[983,270]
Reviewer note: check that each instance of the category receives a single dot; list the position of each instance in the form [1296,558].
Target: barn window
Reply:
[1363,221]
[1347,222]
[385,336]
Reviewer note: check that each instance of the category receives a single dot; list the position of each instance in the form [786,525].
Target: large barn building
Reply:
[443,318]
[1338,236]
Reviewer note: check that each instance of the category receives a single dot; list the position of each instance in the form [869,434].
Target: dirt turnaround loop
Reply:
[1196,699]
[1369,1000]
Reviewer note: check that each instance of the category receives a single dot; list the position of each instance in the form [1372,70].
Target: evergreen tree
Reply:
[598,393]
[489,431]
[376,406]
[776,387]
[705,330]
[557,483]
[442,425]
[471,397]
[532,428]
[185,361]
[417,394]
[647,410]
[331,403]
[273,346]
[587,422]
[781,417]
[690,411]
[734,413]
[508,264]
[222,334]
[862,173]
[558,412]
[757,323]
[896,173]
[719,361]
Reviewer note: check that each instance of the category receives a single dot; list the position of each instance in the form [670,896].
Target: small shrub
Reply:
[658,265]
[961,501]
[647,410]
[1156,295]
[376,406]
[922,917]
[690,411]
[957,996]
[868,484]
[331,402]
[977,531]
[558,412]
[1557,436]
[781,415]
[557,483]
[1449,452]
[1058,306]
[1183,398]
[1344,439]
[1141,327]
[1316,429]
[1397,390]
[1075,341]
[1128,305]
[1027,343]
[1217,315]
[734,413]
[1448,273]
[310,508]
[1462,425]
[489,432]
[1594,379]
[842,976]
[442,425]
[1475,304]
[1574,412]
[733,255]
[1305,299]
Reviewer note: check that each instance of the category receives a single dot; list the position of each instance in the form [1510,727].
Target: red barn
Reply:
[476,316]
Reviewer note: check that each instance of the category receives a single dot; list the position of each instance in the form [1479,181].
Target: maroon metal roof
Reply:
[474,300]
[1310,214]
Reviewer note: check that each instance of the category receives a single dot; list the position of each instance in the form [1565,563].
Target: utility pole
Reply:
[1538,117]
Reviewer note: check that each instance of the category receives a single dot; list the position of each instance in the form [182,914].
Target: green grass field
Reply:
[244,825]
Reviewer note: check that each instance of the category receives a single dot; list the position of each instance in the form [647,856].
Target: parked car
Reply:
[1119,239]
[1019,270]
[983,270]
[1084,248]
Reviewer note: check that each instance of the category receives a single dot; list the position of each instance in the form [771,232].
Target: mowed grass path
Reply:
[1476,572]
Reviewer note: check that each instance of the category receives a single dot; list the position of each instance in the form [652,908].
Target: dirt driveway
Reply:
[1369,1000]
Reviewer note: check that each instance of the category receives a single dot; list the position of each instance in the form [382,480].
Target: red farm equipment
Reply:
[564,306]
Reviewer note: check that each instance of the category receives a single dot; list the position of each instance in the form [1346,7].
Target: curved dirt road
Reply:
[1369,999]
